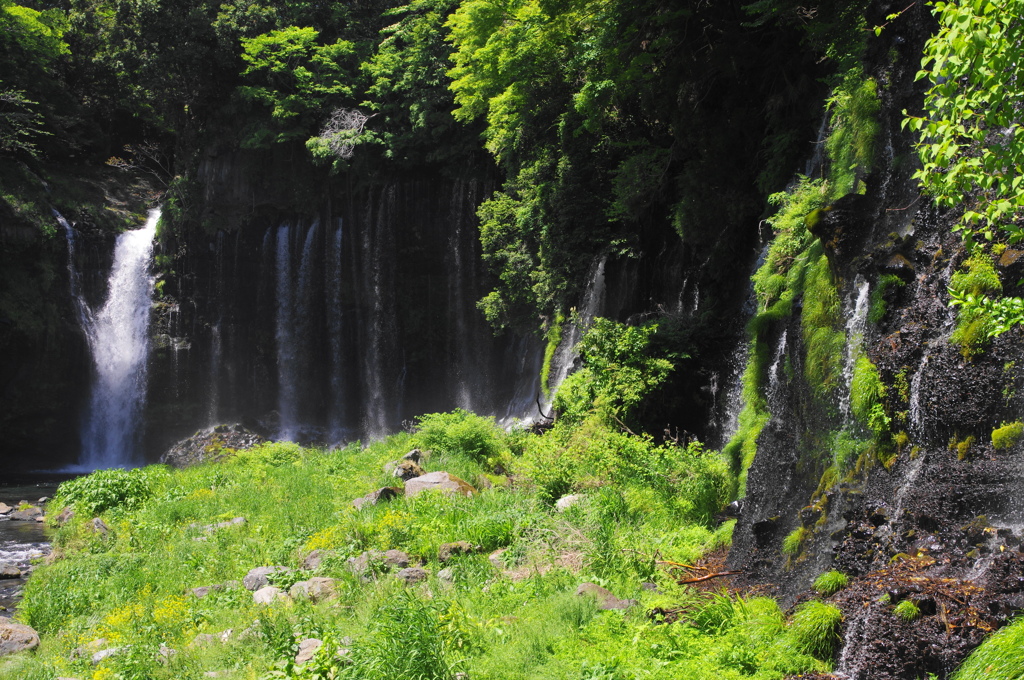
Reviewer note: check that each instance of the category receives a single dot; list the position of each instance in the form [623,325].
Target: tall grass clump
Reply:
[462,433]
[830,582]
[1000,657]
[815,629]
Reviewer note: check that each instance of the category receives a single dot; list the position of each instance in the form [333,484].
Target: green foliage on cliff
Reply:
[998,658]
[969,147]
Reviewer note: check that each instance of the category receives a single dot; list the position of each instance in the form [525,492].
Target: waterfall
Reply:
[336,412]
[287,376]
[855,328]
[75,279]
[118,342]
[565,355]
[216,357]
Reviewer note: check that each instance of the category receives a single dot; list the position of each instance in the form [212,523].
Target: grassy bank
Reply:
[514,614]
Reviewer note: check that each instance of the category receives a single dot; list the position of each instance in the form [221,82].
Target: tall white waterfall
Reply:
[336,413]
[119,342]
[287,375]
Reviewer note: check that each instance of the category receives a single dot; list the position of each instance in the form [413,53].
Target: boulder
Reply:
[604,597]
[307,649]
[203,591]
[269,595]
[412,575]
[449,550]
[381,495]
[16,637]
[98,526]
[415,456]
[4,508]
[316,589]
[396,559]
[212,444]
[10,571]
[27,515]
[366,562]
[258,578]
[403,469]
[313,559]
[442,481]
[447,575]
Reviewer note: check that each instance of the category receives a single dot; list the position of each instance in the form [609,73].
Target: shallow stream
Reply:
[22,544]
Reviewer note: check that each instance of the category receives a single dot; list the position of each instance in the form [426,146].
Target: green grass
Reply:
[830,582]
[1000,657]
[907,610]
[645,503]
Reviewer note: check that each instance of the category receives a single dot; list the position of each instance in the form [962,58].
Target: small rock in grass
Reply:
[269,595]
[447,575]
[412,575]
[442,481]
[98,526]
[566,502]
[258,578]
[381,495]
[449,550]
[366,562]
[307,649]
[496,558]
[105,654]
[604,597]
[16,637]
[316,589]
[404,469]
[396,559]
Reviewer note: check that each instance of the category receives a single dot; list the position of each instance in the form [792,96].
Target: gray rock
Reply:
[165,654]
[307,649]
[447,575]
[412,575]
[316,589]
[441,481]
[210,528]
[44,499]
[212,444]
[312,560]
[403,469]
[366,563]
[26,515]
[16,637]
[496,558]
[269,595]
[449,550]
[396,559]
[4,508]
[105,654]
[10,571]
[415,456]
[98,526]
[381,495]
[258,578]
[604,597]
[567,501]
[203,591]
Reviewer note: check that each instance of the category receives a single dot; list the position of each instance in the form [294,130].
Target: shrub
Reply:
[462,433]
[1006,436]
[815,629]
[830,583]
[107,489]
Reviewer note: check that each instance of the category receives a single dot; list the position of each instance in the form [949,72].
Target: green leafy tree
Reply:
[297,78]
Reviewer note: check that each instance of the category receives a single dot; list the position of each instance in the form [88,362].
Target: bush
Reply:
[830,583]
[462,433]
[1006,436]
[107,489]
